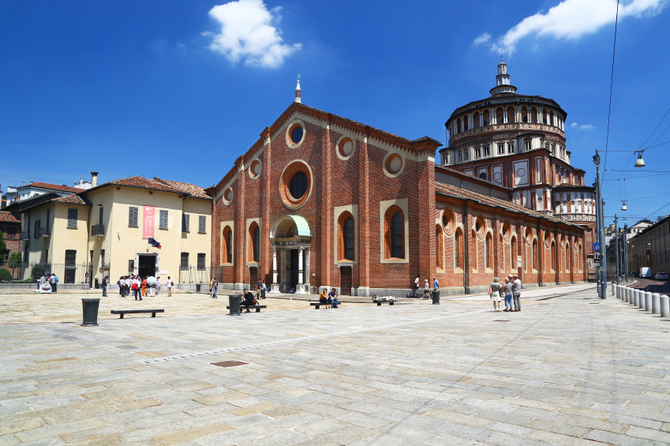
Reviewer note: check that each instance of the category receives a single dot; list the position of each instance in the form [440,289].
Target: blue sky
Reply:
[180,89]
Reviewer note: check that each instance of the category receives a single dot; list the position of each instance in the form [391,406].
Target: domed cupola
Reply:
[503,85]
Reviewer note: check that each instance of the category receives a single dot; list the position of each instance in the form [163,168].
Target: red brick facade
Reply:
[388,186]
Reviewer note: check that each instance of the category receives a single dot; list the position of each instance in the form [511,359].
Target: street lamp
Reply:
[600,223]
[623,206]
[639,162]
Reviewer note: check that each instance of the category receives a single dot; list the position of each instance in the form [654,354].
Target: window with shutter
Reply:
[185,218]
[72,218]
[202,222]
[201,261]
[132,216]
[163,220]
[184,261]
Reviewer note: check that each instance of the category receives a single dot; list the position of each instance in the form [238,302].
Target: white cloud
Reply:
[574,125]
[572,19]
[484,38]
[249,33]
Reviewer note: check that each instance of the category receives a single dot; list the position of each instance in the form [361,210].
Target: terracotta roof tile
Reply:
[144,183]
[191,189]
[7,217]
[70,199]
[486,200]
[51,187]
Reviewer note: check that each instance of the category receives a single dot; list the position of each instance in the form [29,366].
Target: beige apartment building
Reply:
[105,231]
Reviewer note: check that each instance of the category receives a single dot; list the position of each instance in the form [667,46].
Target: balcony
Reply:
[44,232]
[104,267]
[98,230]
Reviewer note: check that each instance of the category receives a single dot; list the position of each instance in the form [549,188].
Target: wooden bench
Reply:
[316,305]
[248,307]
[122,312]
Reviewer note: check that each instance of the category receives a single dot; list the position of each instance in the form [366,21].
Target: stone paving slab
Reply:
[570,369]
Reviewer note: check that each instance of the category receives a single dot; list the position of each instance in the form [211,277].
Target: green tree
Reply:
[5,276]
[38,271]
[3,245]
[14,261]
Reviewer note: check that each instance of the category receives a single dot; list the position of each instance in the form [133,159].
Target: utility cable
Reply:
[609,112]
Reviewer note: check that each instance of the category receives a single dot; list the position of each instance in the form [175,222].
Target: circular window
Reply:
[295,184]
[298,185]
[295,134]
[482,175]
[449,221]
[480,227]
[345,148]
[255,169]
[228,196]
[393,165]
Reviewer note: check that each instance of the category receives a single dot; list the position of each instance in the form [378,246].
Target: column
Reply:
[275,285]
[300,289]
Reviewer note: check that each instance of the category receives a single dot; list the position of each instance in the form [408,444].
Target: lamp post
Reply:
[600,223]
[616,250]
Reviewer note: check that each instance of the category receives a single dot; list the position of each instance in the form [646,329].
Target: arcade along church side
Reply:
[323,201]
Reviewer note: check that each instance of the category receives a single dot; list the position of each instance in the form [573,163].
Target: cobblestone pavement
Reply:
[569,369]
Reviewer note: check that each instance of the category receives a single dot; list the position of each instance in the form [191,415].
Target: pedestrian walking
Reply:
[426,292]
[507,292]
[169,284]
[494,294]
[144,287]
[53,280]
[516,292]
[105,282]
[158,285]
[215,287]
[417,283]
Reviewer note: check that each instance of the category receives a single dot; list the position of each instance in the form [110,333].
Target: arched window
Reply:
[579,260]
[533,115]
[536,265]
[476,119]
[475,251]
[487,118]
[347,238]
[458,248]
[510,115]
[489,251]
[466,122]
[513,254]
[553,256]
[499,115]
[524,114]
[254,243]
[568,255]
[439,246]
[394,233]
[227,245]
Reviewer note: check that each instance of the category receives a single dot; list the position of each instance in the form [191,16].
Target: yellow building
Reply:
[105,231]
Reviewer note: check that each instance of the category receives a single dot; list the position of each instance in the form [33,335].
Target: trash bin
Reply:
[234,301]
[436,297]
[97,284]
[197,287]
[90,310]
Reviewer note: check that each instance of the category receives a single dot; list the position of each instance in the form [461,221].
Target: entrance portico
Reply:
[290,239]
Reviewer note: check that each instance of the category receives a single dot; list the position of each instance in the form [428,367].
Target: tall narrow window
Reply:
[254,243]
[72,218]
[227,248]
[536,265]
[397,236]
[133,218]
[489,251]
[458,248]
[439,246]
[48,222]
[184,261]
[201,261]
[567,257]
[202,224]
[101,214]
[348,237]
[513,254]
[579,261]
[185,222]
[553,256]
[162,219]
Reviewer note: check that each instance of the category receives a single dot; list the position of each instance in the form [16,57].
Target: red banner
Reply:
[148,218]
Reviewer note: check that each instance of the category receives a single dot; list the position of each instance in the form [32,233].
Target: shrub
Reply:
[5,276]
[38,271]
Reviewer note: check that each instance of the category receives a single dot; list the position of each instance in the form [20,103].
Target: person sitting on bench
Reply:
[332,298]
[248,297]
[323,297]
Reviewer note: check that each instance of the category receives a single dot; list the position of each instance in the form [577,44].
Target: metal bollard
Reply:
[647,301]
[655,303]
[638,299]
[626,293]
[665,306]
[613,289]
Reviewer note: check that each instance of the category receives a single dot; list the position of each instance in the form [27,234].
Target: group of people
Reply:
[330,300]
[509,290]
[48,283]
[138,286]
[426,287]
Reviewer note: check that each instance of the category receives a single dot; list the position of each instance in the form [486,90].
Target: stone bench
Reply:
[122,312]
[316,305]
[248,307]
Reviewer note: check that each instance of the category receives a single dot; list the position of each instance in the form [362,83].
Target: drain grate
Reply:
[501,320]
[229,363]
[69,322]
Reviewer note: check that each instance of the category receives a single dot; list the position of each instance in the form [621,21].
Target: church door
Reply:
[345,281]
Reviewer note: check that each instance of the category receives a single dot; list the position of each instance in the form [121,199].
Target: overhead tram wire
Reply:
[609,112]
[652,133]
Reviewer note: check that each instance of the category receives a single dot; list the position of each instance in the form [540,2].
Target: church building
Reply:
[323,201]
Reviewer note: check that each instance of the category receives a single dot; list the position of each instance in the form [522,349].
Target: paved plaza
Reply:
[569,369]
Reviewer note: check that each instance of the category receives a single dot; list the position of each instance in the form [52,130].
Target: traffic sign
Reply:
[596,256]
[519,261]
[596,247]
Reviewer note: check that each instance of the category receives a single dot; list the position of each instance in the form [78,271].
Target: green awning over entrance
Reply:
[289,226]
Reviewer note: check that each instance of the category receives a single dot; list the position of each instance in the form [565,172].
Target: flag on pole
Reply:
[155,243]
